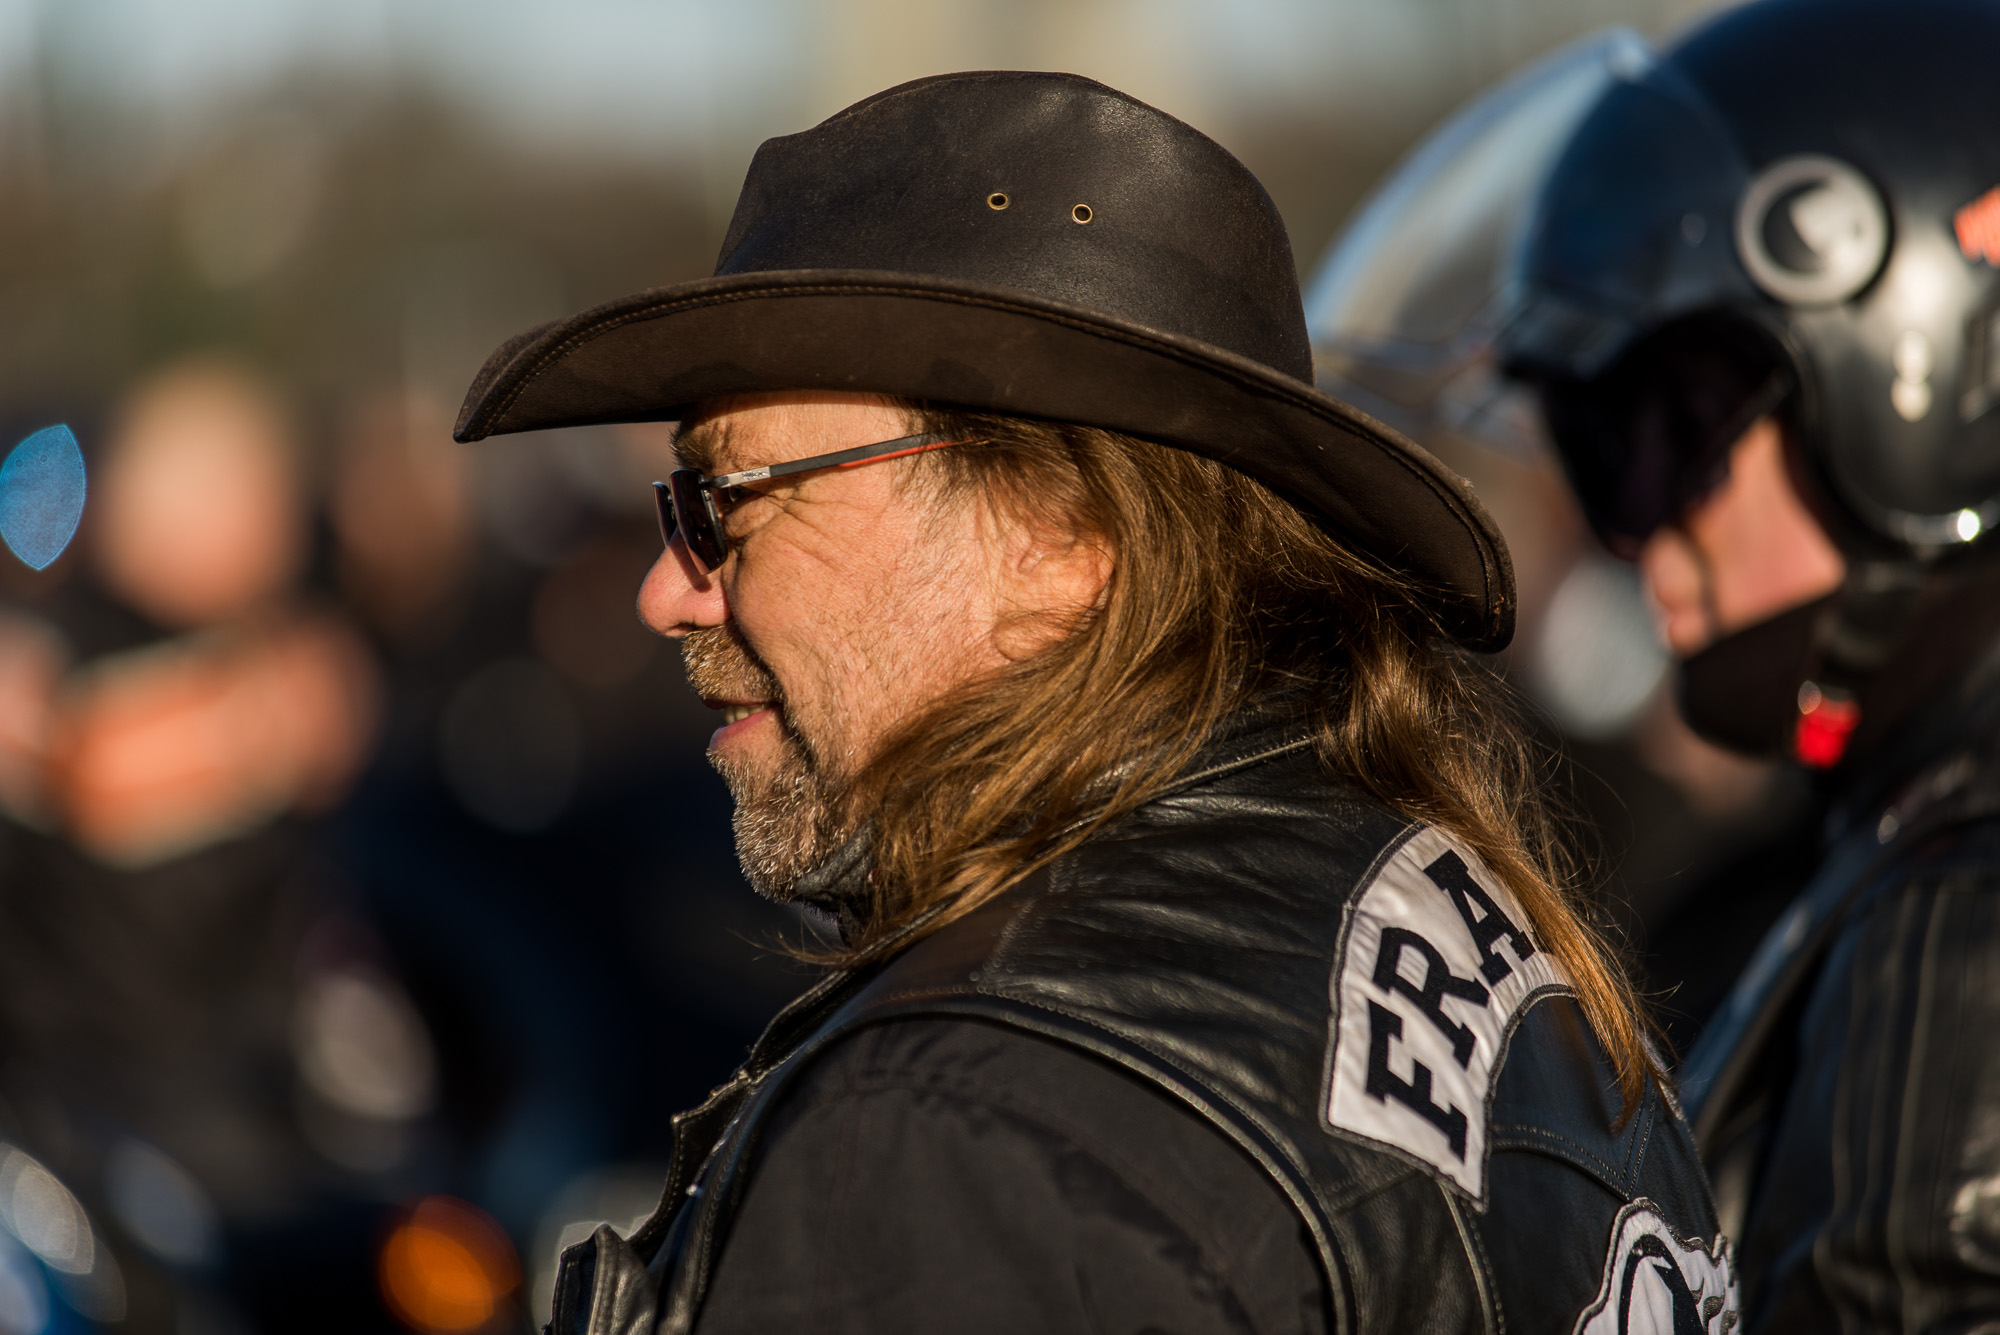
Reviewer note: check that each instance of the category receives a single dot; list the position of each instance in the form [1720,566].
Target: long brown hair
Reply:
[1220,593]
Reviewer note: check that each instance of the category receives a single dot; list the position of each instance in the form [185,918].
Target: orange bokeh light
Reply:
[446,1267]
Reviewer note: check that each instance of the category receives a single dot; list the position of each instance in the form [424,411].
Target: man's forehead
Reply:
[698,441]
[713,436]
[713,440]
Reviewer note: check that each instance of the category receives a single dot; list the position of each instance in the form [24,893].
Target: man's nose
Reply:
[1676,580]
[677,597]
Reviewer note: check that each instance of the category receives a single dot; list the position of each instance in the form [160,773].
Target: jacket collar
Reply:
[1249,737]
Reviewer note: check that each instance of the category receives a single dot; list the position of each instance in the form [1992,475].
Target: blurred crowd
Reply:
[366,905]
[346,848]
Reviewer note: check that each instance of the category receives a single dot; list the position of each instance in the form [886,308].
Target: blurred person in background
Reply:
[1754,286]
[189,1008]
[1792,432]
[1103,761]
[539,743]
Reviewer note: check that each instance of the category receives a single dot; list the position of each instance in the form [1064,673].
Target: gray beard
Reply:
[785,824]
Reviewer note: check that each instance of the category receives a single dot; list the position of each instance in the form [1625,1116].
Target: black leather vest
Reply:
[1348,997]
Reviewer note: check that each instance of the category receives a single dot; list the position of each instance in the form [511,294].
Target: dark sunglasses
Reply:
[1651,439]
[688,505]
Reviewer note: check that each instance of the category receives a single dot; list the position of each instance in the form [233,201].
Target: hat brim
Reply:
[652,355]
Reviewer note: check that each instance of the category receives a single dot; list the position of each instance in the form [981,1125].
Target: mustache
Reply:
[721,665]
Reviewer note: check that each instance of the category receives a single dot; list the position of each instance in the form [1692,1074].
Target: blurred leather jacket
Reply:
[1846,1096]
[1342,995]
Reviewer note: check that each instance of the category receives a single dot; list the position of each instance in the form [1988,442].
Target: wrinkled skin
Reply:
[851,600]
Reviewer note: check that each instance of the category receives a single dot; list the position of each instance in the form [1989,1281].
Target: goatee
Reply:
[787,821]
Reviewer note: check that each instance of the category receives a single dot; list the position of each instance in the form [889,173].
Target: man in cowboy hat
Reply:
[1205,960]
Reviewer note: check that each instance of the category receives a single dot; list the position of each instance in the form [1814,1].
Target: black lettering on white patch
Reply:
[1657,1283]
[1417,1036]
[1439,982]
[1414,1093]
[1483,918]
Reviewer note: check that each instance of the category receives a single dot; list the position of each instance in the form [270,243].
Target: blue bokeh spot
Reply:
[41,495]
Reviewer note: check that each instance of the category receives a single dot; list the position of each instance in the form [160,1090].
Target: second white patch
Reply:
[1436,961]
[1659,1283]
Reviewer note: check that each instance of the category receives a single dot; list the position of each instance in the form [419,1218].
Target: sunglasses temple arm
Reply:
[932,443]
[860,454]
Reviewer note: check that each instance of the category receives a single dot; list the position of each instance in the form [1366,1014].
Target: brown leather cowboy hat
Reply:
[1035,244]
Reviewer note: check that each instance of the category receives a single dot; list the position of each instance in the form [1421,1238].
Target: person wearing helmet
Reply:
[1752,281]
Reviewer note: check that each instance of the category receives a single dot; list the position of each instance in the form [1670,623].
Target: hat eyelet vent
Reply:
[998,200]
[1081,213]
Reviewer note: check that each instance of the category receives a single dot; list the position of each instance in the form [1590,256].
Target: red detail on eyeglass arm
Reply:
[904,454]
[1824,730]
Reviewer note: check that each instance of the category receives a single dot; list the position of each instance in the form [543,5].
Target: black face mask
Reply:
[1650,438]
[1742,691]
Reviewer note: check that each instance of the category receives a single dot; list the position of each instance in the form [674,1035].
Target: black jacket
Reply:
[1847,1094]
[1340,1001]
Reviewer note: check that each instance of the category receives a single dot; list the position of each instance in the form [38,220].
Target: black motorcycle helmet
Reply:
[1797,206]
[1793,209]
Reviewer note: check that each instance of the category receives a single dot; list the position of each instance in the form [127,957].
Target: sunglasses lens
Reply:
[694,520]
[663,498]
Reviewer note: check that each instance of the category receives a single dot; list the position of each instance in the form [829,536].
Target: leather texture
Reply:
[1196,946]
[1036,1187]
[1138,278]
[1847,1096]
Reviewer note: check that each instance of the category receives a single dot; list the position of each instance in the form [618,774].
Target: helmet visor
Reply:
[1405,309]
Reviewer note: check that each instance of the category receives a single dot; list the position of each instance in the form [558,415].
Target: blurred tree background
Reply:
[291,178]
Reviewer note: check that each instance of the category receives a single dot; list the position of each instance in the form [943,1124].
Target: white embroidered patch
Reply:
[1657,1283]
[1435,963]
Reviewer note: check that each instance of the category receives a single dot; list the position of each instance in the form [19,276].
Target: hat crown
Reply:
[1049,184]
